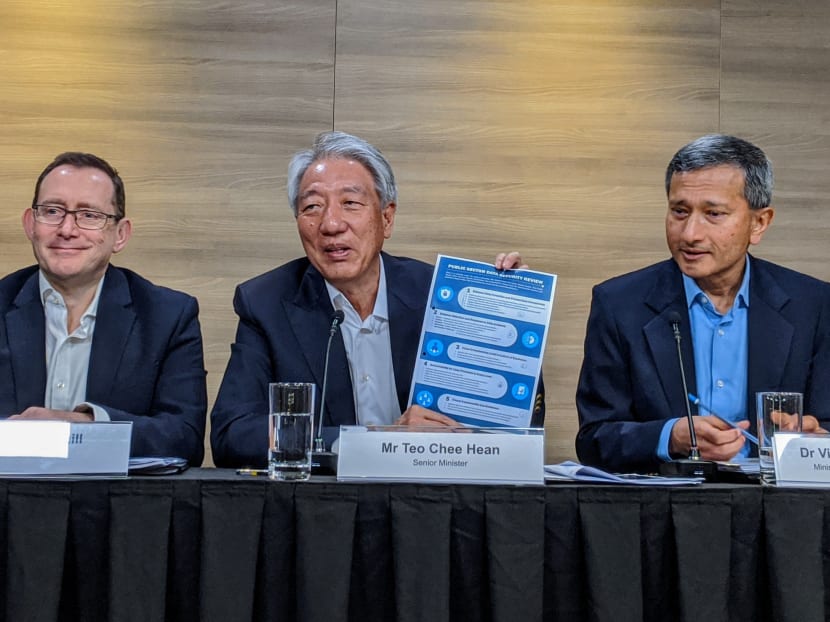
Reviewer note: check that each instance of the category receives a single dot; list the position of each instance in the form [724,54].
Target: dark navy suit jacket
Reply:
[630,380]
[146,363]
[284,320]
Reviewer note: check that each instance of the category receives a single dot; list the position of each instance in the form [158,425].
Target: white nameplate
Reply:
[471,455]
[801,459]
[41,439]
[101,448]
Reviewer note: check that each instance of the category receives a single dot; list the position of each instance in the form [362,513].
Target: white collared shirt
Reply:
[67,355]
[369,351]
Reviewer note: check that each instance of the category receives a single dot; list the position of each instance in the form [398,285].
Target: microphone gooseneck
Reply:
[694,452]
[693,466]
[336,321]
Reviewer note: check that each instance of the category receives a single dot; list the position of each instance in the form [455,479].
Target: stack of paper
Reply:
[575,472]
[157,466]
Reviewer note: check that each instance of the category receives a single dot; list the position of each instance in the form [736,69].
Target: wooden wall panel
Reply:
[199,104]
[775,88]
[540,126]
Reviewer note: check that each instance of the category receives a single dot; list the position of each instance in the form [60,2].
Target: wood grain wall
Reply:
[539,125]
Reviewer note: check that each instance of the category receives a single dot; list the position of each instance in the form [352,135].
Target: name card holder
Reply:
[468,455]
[801,459]
[62,449]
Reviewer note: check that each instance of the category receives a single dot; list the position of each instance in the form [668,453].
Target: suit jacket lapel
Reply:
[114,322]
[770,334]
[26,327]
[309,317]
[668,296]
[406,315]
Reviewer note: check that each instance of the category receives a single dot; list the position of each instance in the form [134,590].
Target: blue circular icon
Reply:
[445,293]
[435,347]
[424,398]
[520,390]
[530,339]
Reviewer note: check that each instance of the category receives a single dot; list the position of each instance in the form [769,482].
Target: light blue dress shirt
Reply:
[721,348]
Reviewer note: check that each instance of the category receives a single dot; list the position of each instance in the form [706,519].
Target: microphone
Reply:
[694,466]
[326,460]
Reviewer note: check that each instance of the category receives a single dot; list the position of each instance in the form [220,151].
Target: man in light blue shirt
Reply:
[720,346]
[747,325]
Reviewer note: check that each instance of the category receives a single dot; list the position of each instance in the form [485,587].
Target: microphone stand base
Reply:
[690,468]
[323,463]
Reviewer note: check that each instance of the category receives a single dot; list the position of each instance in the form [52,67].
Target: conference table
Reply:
[209,544]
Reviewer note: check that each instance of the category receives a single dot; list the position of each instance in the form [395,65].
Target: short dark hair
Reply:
[721,149]
[88,160]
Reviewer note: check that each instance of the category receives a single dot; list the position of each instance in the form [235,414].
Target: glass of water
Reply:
[290,427]
[777,412]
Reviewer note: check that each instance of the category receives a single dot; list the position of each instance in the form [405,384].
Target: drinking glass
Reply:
[776,412]
[290,425]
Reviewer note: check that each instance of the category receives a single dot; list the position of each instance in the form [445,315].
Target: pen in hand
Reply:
[694,399]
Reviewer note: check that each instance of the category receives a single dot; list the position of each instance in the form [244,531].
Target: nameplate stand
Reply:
[468,455]
[63,449]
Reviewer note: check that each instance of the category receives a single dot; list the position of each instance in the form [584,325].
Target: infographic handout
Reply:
[482,343]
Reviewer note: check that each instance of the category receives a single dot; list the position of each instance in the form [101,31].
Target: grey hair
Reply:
[339,145]
[720,149]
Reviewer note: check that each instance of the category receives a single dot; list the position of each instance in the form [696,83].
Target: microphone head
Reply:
[674,317]
[338,317]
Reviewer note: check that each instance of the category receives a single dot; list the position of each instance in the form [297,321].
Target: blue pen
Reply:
[694,399]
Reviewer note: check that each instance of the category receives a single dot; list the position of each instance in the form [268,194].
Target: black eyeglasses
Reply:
[84,218]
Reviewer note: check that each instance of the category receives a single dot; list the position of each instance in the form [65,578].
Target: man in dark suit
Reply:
[746,325]
[82,340]
[343,195]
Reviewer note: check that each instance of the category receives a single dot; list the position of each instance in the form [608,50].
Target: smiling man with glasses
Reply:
[83,340]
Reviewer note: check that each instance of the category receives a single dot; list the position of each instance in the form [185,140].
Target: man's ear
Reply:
[761,220]
[28,219]
[388,216]
[123,232]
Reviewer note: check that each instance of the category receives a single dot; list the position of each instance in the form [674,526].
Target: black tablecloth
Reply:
[211,545]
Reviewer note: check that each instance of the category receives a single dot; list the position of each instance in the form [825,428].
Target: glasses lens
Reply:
[49,214]
[88,219]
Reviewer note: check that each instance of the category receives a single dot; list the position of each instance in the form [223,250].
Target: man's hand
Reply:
[418,416]
[38,412]
[786,422]
[715,439]
[810,424]
[789,423]
[509,261]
